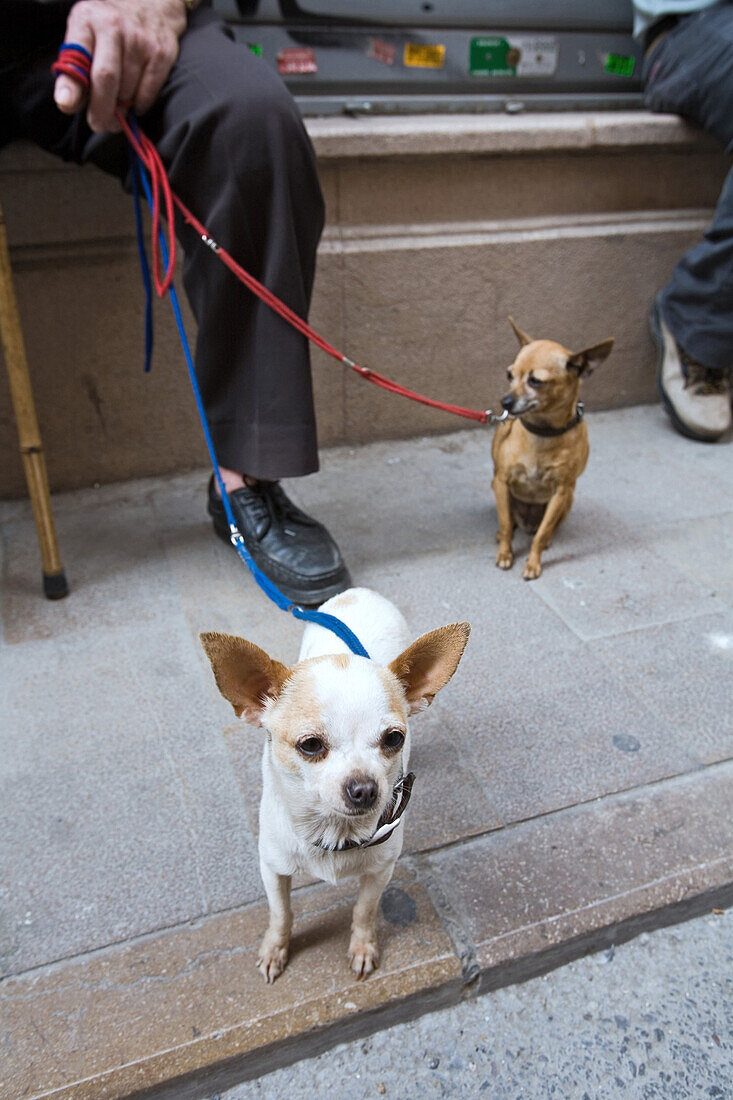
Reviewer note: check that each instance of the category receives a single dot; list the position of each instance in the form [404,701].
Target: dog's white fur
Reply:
[348,702]
[297,811]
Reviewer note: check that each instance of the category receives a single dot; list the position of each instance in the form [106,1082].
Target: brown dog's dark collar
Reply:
[387,823]
[535,429]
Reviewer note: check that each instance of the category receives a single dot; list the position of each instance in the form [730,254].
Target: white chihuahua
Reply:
[334,769]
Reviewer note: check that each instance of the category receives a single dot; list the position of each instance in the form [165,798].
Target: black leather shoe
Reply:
[294,551]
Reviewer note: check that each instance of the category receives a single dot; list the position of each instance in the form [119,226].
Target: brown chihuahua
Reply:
[539,456]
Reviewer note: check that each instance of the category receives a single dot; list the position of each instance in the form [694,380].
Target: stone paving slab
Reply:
[703,549]
[684,671]
[642,472]
[616,588]
[113,555]
[117,816]
[541,720]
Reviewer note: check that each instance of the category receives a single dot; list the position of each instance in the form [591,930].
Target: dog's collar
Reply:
[535,429]
[387,823]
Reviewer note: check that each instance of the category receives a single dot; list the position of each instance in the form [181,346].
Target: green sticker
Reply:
[492,57]
[519,55]
[255,48]
[619,65]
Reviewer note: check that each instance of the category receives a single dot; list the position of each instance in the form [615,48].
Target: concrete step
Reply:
[573,781]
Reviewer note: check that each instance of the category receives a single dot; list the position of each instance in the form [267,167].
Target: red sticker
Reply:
[379,50]
[296,59]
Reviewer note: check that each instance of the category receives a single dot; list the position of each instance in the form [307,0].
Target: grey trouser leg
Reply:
[238,155]
[690,73]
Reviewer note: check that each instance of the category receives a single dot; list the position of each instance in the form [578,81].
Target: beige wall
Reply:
[437,229]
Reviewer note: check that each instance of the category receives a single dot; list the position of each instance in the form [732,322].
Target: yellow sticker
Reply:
[417,56]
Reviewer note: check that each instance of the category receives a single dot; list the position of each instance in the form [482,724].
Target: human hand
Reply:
[134,45]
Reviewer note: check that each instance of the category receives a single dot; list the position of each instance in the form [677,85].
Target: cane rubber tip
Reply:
[55,585]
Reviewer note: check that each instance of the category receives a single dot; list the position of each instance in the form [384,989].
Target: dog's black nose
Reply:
[507,402]
[361,793]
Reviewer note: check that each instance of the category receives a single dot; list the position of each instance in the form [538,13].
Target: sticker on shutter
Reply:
[420,56]
[516,56]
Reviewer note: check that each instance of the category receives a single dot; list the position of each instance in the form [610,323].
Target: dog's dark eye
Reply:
[535,381]
[312,747]
[509,373]
[393,740]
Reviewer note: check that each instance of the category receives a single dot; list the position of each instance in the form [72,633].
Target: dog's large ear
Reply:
[586,361]
[521,336]
[244,674]
[428,664]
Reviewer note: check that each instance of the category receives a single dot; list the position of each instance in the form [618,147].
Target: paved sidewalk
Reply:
[572,780]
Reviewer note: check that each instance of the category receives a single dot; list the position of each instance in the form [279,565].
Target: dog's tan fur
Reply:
[534,476]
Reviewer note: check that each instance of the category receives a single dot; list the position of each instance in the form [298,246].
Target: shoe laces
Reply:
[283,505]
[257,504]
[277,496]
[702,380]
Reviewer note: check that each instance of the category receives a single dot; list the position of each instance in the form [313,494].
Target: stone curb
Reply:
[186,1005]
[182,1012]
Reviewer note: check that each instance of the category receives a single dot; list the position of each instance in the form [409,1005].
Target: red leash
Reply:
[75,61]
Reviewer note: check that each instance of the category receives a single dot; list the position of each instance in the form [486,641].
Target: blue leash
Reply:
[330,622]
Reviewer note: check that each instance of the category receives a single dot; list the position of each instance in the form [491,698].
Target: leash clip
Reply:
[235,536]
[210,243]
[492,418]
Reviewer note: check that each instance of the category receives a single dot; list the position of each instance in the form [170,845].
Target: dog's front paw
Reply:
[504,558]
[272,958]
[363,956]
[532,570]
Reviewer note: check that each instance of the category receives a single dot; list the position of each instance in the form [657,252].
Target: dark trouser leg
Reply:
[690,72]
[697,303]
[239,157]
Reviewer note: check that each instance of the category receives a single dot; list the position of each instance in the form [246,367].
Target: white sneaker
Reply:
[696,397]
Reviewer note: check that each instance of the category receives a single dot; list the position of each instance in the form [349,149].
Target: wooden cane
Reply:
[55,585]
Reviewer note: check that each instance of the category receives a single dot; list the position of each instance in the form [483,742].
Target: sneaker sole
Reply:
[656,330]
[307,597]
